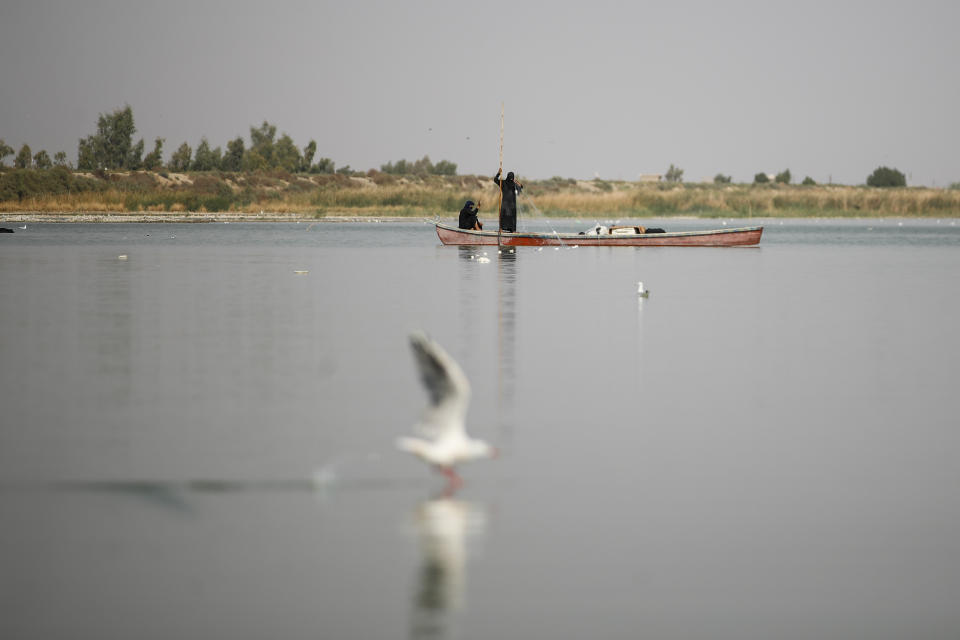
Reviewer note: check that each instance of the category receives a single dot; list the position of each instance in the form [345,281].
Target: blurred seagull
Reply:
[445,442]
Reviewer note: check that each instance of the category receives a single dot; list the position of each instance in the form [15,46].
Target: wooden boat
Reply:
[743,236]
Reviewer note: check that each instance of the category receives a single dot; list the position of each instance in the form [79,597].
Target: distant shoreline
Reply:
[148,217]
[58,195]
[221,218]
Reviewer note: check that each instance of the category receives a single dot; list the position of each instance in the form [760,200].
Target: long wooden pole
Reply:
[501,137]
[500,200]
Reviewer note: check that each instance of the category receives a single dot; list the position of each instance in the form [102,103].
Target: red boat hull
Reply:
[744,236]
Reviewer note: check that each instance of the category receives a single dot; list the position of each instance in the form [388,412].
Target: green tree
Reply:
[180,160]
[445,168]
[24,159]
[886,177]
[253,161]
[86,158]
[5,150]
[233,159]
[308,152]
[60,159]
[323,165]
[41,160]
[286,156]
[261,142]
[401,167]
[111,147]
[809,181]
[722,179]
[783,177]
[761,178]
[205,158]
[674,174]
[217,155]
[135,157]
[423,166]
[345,170]
[154,160]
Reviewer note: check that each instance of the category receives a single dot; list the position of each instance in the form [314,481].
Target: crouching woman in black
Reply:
[468,216]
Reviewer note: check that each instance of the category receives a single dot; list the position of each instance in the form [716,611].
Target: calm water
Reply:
[196,442]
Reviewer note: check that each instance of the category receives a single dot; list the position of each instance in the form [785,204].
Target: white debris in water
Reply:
[643,293]
[122,256]
[301,272]
[324,477]
[483,260]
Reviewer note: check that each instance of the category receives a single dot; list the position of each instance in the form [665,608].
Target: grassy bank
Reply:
[378,194]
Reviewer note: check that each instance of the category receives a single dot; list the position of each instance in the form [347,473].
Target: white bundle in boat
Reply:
[597,230]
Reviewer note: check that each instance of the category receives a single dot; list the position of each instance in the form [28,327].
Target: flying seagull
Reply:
[445,442]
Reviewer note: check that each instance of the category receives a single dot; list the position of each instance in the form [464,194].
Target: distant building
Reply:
[650,177]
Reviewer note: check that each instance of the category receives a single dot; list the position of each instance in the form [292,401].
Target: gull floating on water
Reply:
[445,442]
[643,293]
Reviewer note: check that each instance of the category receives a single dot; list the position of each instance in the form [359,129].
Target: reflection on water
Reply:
[474,309]
[468,302]
[444,527]
[506,336]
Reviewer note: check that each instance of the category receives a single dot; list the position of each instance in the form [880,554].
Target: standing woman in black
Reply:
[509,189]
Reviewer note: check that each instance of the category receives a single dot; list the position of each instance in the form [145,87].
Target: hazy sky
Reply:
[615,89]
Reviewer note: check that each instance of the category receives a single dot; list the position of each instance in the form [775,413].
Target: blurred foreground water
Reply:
[196,440]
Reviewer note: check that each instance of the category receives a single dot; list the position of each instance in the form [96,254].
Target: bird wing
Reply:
[447,387]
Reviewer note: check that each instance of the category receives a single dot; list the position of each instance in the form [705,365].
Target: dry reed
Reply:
[376,195]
